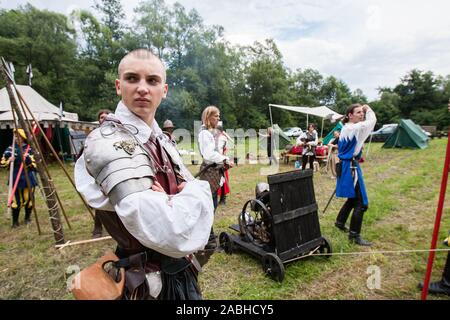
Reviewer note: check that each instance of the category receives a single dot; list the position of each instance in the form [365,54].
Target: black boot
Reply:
[28,215]
[204,255]
[446,273]
[356,238]
[442,286]
[356,224]
[212,241]
[341,226]
[438,287]
[97,232]
[223,200]
[15,217]
[342,217]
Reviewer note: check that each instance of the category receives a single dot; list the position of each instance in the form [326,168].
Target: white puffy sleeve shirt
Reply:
[360,130]
[174,225]
[207,148]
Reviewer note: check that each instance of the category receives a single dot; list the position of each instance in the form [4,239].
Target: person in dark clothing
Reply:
[442,286]
[308,140]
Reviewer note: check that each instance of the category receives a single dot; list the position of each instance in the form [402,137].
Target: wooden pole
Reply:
[69,243]
[321,130]
[36,143]
[270,113]
[11,178]
[49,190]
[56,155]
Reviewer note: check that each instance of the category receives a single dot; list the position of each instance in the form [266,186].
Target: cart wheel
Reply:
[226,243]
[273,266]
[326,248]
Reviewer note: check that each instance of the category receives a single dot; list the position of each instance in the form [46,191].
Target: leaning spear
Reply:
[11,177]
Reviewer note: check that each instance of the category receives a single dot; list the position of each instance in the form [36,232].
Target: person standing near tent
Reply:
[308,140]
[157,212]
[270,145]
[214,162]
[359,121]
[98,229]
[23,196]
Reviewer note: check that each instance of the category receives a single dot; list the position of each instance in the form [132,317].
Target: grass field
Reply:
[403,188]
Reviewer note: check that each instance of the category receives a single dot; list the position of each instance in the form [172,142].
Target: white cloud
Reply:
[366,43]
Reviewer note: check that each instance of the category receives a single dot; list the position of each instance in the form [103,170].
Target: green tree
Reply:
[267,81]
[113,16]
[336,94]
[153,28]
[418,90]
[386,108]
[44,39]
[307,86]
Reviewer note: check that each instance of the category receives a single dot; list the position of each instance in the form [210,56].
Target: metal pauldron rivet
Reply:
[88,160]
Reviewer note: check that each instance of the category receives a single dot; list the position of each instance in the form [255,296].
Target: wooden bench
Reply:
[322,159]
[287,157]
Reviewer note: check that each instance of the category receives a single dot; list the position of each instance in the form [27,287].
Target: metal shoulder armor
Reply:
[118,164]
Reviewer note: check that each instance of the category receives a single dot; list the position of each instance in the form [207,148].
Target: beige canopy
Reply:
[323,112]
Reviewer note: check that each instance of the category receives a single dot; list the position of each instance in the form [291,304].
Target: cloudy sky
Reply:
[366,43]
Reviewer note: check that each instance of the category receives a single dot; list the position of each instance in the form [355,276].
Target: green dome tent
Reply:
[330,135]
[407,135]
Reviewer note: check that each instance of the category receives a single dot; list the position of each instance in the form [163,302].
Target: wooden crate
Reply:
[296,227]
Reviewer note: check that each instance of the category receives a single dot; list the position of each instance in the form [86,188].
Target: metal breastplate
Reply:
[117,162]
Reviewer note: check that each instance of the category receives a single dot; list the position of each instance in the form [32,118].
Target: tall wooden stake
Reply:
[11,180]
[48,187]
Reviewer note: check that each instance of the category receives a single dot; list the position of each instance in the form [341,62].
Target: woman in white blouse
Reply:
[210,153]
[214,163]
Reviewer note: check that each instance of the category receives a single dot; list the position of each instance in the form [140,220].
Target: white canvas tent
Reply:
[46,113]
[49,117]
[322,112]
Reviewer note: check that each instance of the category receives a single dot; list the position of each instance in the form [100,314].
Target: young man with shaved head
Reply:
[155,210]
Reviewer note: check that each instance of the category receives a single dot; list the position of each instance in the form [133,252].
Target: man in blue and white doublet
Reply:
[358,123]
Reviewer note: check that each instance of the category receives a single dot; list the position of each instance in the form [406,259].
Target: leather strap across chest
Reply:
[165,173]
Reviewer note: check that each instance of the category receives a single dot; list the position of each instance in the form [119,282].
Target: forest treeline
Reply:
[74,60]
